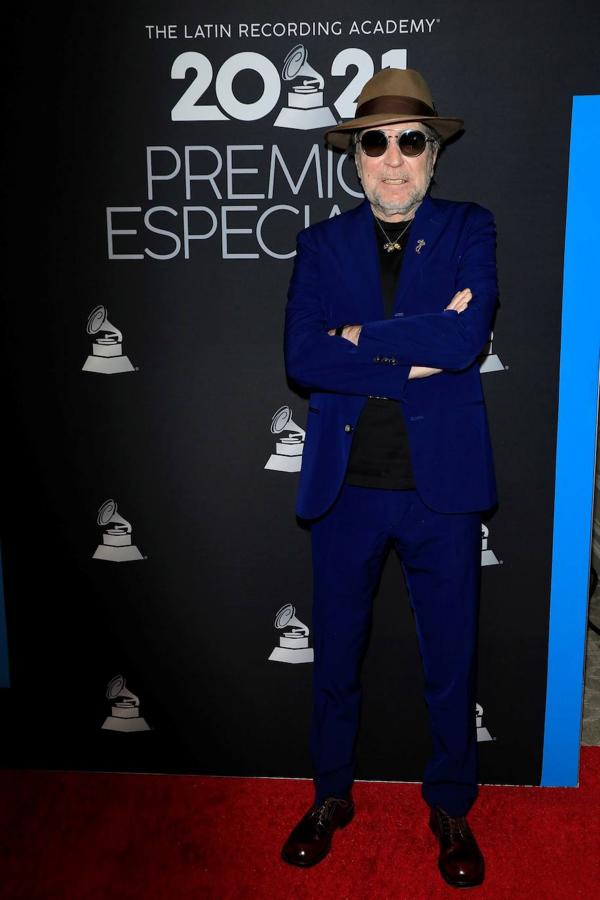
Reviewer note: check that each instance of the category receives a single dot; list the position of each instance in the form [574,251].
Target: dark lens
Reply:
[374,143]
[412,143]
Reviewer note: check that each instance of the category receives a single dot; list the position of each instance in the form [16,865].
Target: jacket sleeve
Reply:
[323,362]
[448,340]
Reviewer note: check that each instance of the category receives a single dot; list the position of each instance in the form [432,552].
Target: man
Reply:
[389,307]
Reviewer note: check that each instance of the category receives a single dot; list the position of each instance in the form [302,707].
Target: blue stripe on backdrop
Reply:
[577,413]
[4,673]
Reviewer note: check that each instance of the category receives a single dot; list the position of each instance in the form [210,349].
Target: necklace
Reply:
[395,244]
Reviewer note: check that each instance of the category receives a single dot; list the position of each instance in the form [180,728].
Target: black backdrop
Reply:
[182,441]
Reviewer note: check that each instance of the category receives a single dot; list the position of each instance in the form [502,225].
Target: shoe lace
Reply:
[455,828]
[323,813]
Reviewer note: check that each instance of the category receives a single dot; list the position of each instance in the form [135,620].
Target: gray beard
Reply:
[390,209]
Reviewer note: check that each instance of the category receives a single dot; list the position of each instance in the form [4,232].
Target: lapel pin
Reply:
[420,244]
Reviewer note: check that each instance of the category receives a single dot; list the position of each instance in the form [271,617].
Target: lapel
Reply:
[361,262]
[361,256]
[424,233]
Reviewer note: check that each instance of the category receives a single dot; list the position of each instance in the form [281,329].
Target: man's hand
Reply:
[422,372]
[350,332]
[461,300]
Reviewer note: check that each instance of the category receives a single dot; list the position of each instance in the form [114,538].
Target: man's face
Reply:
[395,184]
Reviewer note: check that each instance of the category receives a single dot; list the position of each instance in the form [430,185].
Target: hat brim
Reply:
[340,135]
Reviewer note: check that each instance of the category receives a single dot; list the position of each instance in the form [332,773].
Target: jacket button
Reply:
[347,428]
[376,359]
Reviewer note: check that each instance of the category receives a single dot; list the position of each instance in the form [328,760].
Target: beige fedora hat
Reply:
[393,95]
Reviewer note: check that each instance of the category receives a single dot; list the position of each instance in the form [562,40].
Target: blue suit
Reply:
[336,281]
[435,529]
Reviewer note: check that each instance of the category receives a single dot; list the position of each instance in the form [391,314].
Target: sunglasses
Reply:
[410,143]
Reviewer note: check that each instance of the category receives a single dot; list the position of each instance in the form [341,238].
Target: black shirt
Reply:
[380,454]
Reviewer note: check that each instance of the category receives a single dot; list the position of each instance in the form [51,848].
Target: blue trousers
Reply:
[441,560]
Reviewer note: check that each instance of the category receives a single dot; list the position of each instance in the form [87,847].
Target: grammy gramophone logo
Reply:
[107,356]
[290,443]
[305,108]
[116,543]
[491,361]
[125,708]
[488,557]
[482,732]
[293,640]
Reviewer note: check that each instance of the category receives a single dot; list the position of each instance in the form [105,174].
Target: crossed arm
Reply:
[378,357]
[459,303]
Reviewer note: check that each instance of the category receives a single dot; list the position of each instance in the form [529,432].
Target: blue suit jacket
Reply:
[336,281]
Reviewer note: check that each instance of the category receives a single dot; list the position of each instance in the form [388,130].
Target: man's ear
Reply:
[434,155]
[357,164]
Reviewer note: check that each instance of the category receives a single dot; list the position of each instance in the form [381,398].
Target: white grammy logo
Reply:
[125,709]
[305,108]
[288,450]
[482,732]
[107,350]
[491,362]
[116,543]
[488,557]
[293,643]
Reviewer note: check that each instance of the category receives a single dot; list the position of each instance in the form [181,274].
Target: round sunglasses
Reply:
[410,143]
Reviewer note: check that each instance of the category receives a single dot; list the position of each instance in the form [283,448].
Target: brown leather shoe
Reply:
[310,841]
[460,860]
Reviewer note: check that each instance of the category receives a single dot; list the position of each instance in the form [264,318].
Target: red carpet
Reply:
[85,836]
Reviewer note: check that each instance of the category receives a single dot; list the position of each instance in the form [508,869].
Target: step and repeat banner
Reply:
[161,161]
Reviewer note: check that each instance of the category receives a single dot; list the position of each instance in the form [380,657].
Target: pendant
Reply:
[391,246]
